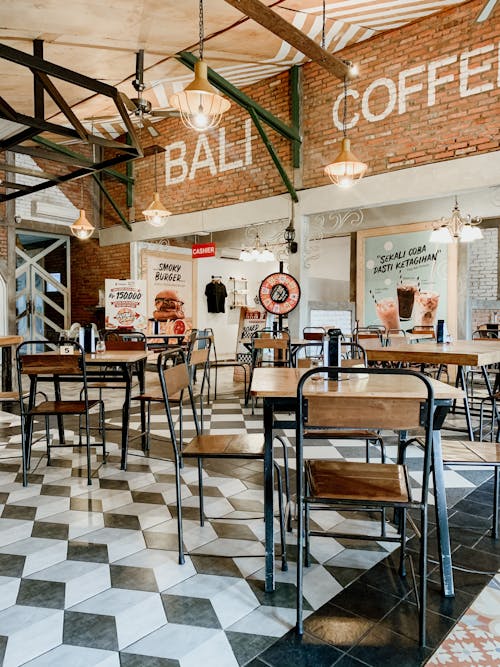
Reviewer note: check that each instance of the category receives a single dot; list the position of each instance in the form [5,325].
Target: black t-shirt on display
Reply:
[216,294]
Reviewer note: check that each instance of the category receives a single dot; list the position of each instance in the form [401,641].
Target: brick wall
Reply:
[416,103]
[201,167]
[90,265]
[452,127]
[483,266]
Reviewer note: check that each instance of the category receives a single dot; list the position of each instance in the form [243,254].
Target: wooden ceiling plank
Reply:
[273,22]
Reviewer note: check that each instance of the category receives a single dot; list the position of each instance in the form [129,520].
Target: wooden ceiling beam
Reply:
[261,14]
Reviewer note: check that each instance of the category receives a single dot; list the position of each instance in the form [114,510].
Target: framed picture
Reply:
[403,280]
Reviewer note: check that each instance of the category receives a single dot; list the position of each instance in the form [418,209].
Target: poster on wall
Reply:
[169,287]
[251,320]
[125,304]
[405,280]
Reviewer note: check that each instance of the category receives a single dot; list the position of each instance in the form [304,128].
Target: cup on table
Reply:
[406,299]
[425,308]
[388,313]
[100,347]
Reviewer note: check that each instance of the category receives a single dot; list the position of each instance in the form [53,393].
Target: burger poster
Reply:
[169,280]
[125,304]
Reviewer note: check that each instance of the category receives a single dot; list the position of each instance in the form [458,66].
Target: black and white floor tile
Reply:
[90,576]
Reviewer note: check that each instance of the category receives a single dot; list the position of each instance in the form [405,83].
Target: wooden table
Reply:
[460,353]
[278,388]
[6,344]
[121,364]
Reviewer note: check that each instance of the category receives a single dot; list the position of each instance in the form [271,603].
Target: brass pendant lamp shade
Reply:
[199,104]
[156,213]
[82,228]
[346,169]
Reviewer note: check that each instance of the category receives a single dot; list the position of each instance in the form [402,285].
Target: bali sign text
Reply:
[213,152]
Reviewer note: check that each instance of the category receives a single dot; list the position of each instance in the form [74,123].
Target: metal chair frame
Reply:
[57,368]
[176,380]
[314,414]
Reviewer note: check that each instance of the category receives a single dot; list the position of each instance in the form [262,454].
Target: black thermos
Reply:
[332,351]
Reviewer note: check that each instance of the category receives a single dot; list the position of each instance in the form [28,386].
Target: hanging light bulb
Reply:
[199,105]
[156,214]
[346,169]
[82,228]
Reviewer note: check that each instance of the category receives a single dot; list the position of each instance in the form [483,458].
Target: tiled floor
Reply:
[89,575]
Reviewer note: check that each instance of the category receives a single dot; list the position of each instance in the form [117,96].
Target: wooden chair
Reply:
[353,355]
[482,454]
[314,334]
[175,380]
[103,380]
[231,362]
[367,333]
[57,369]
[357,485]
[277,346]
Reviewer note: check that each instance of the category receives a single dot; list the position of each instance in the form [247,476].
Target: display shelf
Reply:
[238,292]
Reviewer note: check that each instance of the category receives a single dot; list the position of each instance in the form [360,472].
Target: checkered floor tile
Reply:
[89,575]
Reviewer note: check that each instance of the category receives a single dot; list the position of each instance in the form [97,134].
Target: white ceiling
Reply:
[100,38]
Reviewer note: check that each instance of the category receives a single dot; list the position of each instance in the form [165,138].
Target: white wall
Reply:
[225,325]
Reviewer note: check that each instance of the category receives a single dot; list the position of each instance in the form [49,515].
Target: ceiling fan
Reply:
[140,109]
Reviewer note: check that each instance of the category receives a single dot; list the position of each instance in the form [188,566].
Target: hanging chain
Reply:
[201,29]
[156,180]
[323,26]
[344,108]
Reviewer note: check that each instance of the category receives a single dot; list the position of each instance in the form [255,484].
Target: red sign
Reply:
[200,250]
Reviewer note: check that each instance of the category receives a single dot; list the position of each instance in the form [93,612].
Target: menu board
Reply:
[405,280]
[125,304]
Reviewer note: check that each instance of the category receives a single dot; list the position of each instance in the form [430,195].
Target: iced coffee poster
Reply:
[405,280]
[125,304]
[169,279]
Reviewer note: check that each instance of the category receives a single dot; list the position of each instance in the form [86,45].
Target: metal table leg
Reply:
[268,494]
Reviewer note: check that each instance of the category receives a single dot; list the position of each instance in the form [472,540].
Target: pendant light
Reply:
[346,169]
[458,227]
[156,214]
[82,228]
[199,104]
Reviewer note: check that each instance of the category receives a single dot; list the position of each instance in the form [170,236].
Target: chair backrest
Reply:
[131,340]
[313,333]
[485,334]
[365,333]
[173,371]
[427,329]
[277,342]
[324,408]
[42,360]
[51,363]
[352,352]
[175,379]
